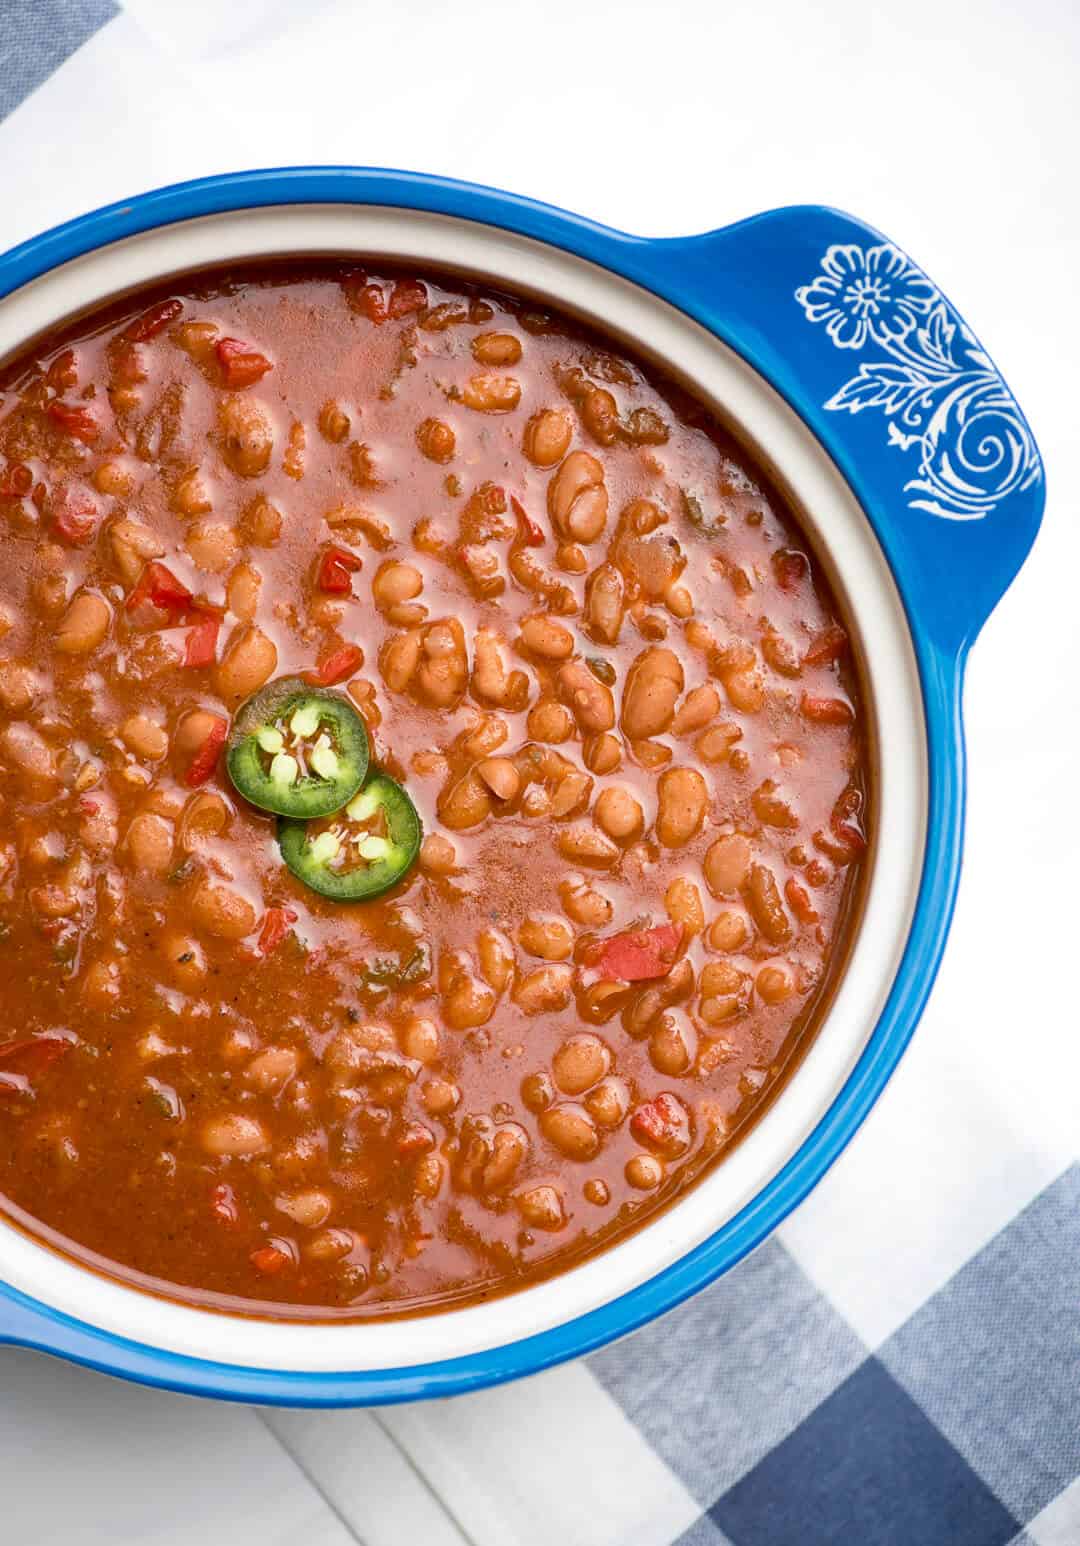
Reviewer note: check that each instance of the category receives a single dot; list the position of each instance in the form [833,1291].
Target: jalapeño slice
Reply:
[361,851]
[297,750]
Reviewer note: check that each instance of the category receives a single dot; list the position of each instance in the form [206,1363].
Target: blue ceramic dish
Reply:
[857,381]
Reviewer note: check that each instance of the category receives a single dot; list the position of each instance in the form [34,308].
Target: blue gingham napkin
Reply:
[900,1365]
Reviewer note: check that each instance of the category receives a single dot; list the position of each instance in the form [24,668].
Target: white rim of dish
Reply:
[833,517]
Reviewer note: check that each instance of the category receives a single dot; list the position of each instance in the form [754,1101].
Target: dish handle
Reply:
[894,384]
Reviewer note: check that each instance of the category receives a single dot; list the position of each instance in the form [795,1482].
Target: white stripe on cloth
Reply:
[1059,1522]
[553,1460]
[377,1487]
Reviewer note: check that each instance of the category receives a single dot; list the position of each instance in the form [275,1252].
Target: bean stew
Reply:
[433,783]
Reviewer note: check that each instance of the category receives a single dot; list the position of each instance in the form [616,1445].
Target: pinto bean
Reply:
[509,1149]
[436,440]
[577,498]
[270,1071]
[443,668]
[544,990]
[765,904]
[501,777]
[547,437]
[700,706]
[17,686]
[26,751]
[491,681]
[602,754]
[438,856]
[547,937]
[683,798]
[550,722]
[222,912]
[150,843]
[605,603]
[465,803]
[191,496]
[580,1062]
[496,349]
[133,546]
[584,904]
[234,1136]
[544,637]
[242,592]
[571,1129]
[684,906]
[184,958]
[420,1039]
[84,624]
[468,1003]
[247,435]
[589,700]
[585,845]
[491,394]
[334,422]
[249,661]
[496,956]
[653,686]
[395,583]
[399,658]
[211,546]
[541,1207]
[727,864]
[619,814]
[310,1208]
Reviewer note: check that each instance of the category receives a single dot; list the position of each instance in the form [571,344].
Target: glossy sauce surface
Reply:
[588,640]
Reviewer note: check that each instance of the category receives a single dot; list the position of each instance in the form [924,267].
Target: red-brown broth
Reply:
[409,1145]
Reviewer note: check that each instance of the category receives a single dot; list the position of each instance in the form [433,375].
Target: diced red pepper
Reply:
[75,517]
[200,646]
[16,481]
[407,295]
[149,323]
[205,759]
[338,665]
[27,1058]
[89,807]
[335,568]
[277,921]
[224,1206]
[270,1260]
[77,422]
[241,365]
[640,953]
[160,587]
[826,646]
[416,1139]
[827,711]
[531,534]
[663,1124]
[799,902]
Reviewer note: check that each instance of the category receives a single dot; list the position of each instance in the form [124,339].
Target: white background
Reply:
[953,125]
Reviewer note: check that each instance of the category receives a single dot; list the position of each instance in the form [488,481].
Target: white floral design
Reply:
[943,397]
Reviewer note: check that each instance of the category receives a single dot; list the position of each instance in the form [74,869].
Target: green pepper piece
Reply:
[363,850]
[297,750]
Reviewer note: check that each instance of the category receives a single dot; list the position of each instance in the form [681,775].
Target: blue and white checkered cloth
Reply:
[900,1365]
